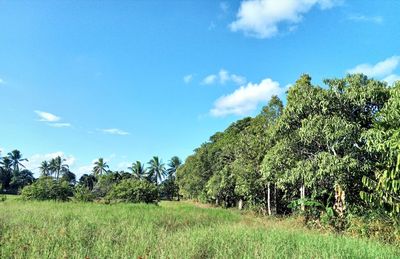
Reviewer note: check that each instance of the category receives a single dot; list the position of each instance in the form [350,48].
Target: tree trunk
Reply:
[302,196]
[340,202]
[240,204]
[275,207]
[269,198]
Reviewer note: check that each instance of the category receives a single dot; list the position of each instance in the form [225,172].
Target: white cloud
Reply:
[114,131]
[390,79]
[34,161]
[245,99]
[85,169]
[60,125]
[210,79]
[380,69]
[365,18]
[2,81]
[188,78]
[261,18]
[223,76]
[47,117]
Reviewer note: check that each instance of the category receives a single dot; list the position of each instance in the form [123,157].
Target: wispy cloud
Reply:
[60,125]
[263,18]
[188,78]
[224,6]
[246,99]
[223,77]
[47,116]
[2,82]
[365,18]
[114,131]
[384,70]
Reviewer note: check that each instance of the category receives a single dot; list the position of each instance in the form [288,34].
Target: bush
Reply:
[82,193]
[47,188]
[132,190]
[3,198]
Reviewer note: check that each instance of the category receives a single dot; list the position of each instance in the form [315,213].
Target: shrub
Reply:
[132,190]
[46,188]
[3,198]
[82,193]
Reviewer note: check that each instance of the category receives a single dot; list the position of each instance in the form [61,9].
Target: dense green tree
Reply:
[88,180]
[384,141]
[5,172]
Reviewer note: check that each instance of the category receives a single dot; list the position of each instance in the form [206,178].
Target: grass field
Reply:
[169,230]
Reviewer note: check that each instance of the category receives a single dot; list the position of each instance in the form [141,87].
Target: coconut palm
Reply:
[57,166]
[16,158]
[45,168]
[156,170]
[173,166]
[138,170]
[100,167]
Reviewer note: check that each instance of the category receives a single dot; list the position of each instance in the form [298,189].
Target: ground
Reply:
[168,230]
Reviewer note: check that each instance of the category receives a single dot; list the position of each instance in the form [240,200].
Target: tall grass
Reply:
[170,230]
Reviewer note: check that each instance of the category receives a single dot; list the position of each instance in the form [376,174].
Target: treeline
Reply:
[56,182]
[330,151]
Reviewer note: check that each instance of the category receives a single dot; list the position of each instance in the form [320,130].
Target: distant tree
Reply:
[173,166]
[57,166]
[69,177]
[45,168]
[5,172]
[16,158]
[21,179]
[138,171]
[100,167]
[156,170]
[88,180]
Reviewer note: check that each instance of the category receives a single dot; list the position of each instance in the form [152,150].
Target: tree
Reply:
[5,172]
[88,180]
[57,166]
[21,179]
[68,177]
[173,166]
[156,170]
[16,158]
[100,167]
[384,141]
[45,168]
[138,171]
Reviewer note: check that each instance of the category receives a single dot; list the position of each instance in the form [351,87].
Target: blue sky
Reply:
[126,80]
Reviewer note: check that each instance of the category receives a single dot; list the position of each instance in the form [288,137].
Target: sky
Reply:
[127,80]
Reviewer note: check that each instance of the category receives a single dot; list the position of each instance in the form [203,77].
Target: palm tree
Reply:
[100,167]
[173,165]
[16,158]
[57,166]
[156,170]
[45,168]
[138,170]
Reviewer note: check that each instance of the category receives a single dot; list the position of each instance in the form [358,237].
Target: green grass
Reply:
[170,230]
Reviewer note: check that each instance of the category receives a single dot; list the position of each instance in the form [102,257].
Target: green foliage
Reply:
[83,194]
[46,188]
[384,141]
[134,191]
